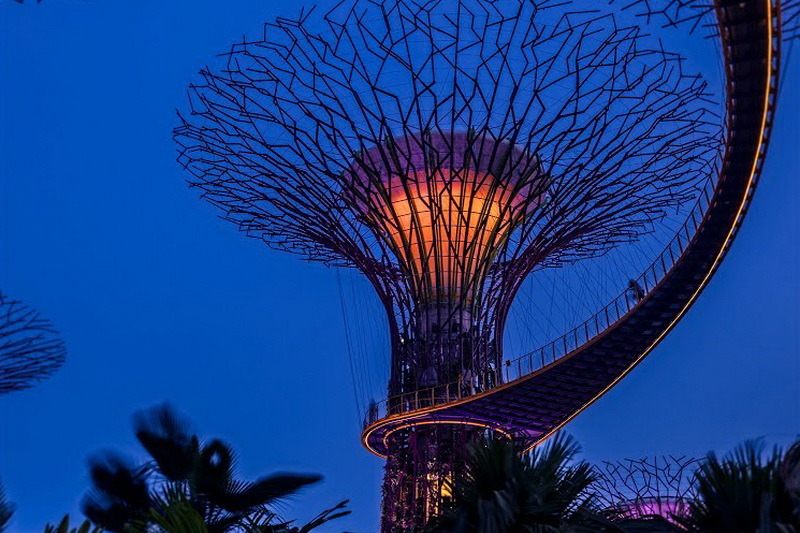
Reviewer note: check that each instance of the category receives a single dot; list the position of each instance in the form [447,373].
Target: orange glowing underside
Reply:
[445,230]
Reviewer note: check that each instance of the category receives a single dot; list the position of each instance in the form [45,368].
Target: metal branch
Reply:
[660,486]
[30,349]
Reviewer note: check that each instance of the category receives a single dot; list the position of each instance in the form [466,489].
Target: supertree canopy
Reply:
[448,150]
[653,486]
[30,349]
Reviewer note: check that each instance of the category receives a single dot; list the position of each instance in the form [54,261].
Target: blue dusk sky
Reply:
[159,300]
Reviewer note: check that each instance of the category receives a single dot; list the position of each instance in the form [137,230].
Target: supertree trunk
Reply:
[420,462]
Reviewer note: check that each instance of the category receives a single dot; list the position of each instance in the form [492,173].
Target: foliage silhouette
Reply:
[6,509]
[63,527]
[744,492]
[189,485]
[544,491]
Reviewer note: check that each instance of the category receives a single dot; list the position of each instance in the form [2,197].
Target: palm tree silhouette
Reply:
[544,491]
[6,509]
[187,479]
[748,491]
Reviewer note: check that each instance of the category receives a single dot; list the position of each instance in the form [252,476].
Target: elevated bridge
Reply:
[532,397]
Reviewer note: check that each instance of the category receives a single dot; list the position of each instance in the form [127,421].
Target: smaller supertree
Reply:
[653,486]
[30,348]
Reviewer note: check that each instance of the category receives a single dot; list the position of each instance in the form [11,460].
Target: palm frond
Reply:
[740,492]
[337,511]
[266,521]
[119,493]
[64,527]
[501,490]
[213,472]
[6,509]
[167,437]
[189,483]
[172,512]
[790,476]
[242,496]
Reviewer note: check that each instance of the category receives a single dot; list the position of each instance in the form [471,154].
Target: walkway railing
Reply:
[514,369]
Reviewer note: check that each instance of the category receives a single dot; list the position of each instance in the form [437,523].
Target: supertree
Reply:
[637,488]
[30,348]
[447,151]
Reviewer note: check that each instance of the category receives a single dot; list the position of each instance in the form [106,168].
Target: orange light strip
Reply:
[721,253]
[385,439]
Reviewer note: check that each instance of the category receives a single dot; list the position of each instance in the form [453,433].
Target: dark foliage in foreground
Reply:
[189,485]
[6,509]
[548,491]
[545,491]
[747,491]
[64,527]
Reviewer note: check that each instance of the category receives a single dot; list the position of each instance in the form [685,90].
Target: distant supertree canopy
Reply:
[30,348]
[661,486]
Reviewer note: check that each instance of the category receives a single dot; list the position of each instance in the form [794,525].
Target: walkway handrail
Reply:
[562,346]
[537,404]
